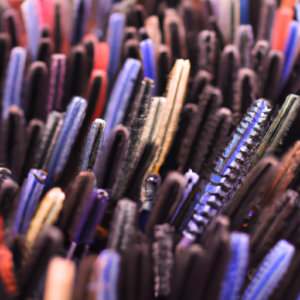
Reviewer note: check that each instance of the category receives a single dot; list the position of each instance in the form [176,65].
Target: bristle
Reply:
[122,232]
[163,259]
[56,82]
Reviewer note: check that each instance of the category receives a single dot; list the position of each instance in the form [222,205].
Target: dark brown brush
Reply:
[183,139]
[254,188]
[131,49]
[130,33]
[13,139]
[84,273]
[282,211]
[143,34]
[209,101]
[76,196]
[142,105]
[122,232]
[216,243]
[135,16]
[190,13]
[174,34]
[208,46]
[258,61]
[34,135]
[5,45]
[163,68]
[133,190]
[44,248]
[12,24]
[191,270]
[136,276]
[111,157]
[245,91]
[76,79]
[219,126]
[35,104]
[201,79]
[89,42]
[274,68]
[18,247]
[45,51]
[228,74]
[8,193]
[166,202]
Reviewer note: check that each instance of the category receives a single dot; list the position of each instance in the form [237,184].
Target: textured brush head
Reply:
[48,139]
[274,68]
[52,201]
[76,78]
[282,132]
[93,145]
[47,245]
[174,34]
[133,190]
[130,32]
[8,193]
[245,91]
[137,139]
[114,39]
[244,42]
[267,230]
[13,137]
[190,273]
[201,79]
[36,106]
[220,129]
[207,45]
[163,259]
[123,227]
[230,168]
[132,49]
[163,68]
[77,195]
[148,58]
[5,46]
[228,73]
[56,82]
[13,80]
[136,276]
[34,135]
[123,93]
[68,135]
[182,142]
[259,56]
[254,188]
[216,241]
[28,201]
[280,258]
[111,157]
[80,20]
[266,19]
[90,218]
[209,101]
[45,51]
[12,25]
[167,201]
[90,42]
